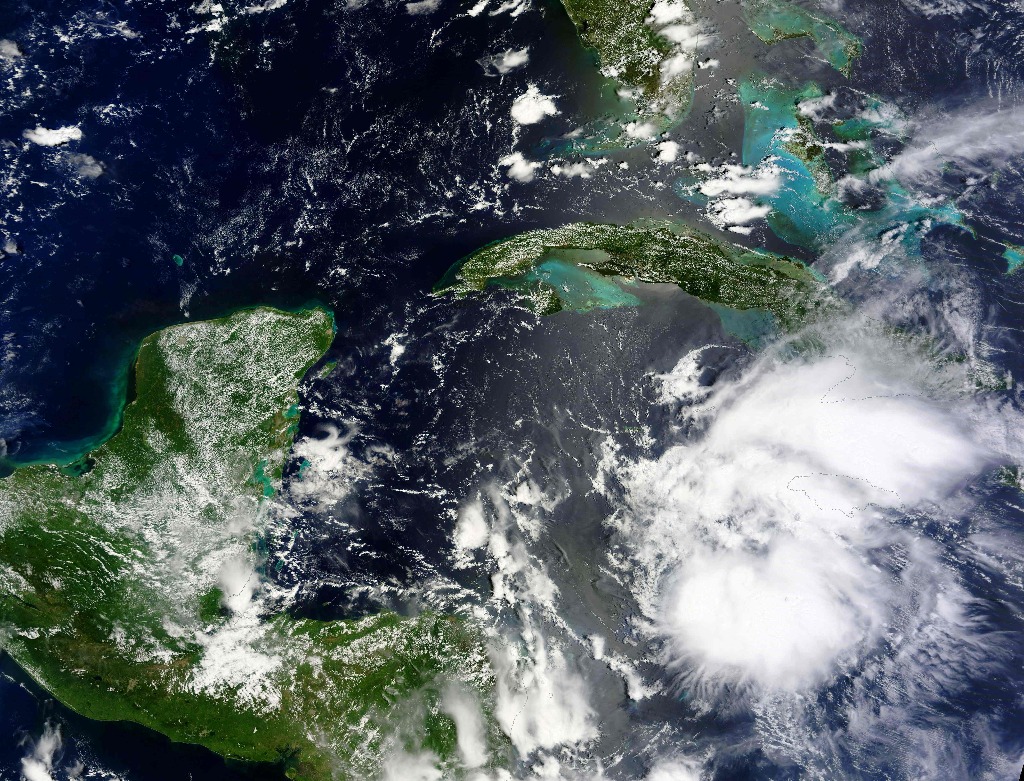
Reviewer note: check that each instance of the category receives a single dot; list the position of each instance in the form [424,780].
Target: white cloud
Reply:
[513,8]
[38,765]
[330,470]
[729,212]
[234,659]
[404,766]
[783,618]
[676,24]
[686,35]
[978,139]
[727,188]
[644,131]
[743,180]
[541,701]
[533,106]
[668,151]
[519,168]
[666,12]
[471,530]
[46,137]
[88,167]
[508,60]
[9,50]
[238,583]
[579,170]
[422,7]
[675,769]
[754,541]
[676,65]
[465,711]
[817,108]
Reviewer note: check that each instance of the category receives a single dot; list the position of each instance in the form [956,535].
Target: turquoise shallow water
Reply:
[581,289]
[1014,258]
[806,209]
[774,20]
[803,213]
[752,326]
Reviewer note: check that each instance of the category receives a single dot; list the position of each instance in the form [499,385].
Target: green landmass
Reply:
[131,587]
[777,20]
[633,50]
[648,251]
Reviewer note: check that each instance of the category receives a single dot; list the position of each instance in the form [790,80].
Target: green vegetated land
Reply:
[130,589]
[651,51]
[631,50]
[649,251]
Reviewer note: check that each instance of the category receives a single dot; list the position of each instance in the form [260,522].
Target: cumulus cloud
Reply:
[329,471]
[675,769]
[422,7]
[743,180]
[235,658]
[734,213]
[238,583]
[817,108]
[472,530]
[781,618]
[676,24]
[56,137]
[757,541]
[533,106]
[9,50]
[668,151]
[579,170]
[733,192]
[666,12]
[38,765]
[507,61]
[644,131]
[519,168]
[542,702]
[406,766]
[87,166]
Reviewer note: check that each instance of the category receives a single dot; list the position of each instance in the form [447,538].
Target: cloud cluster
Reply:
[518,167]
[533,106]
[734,192]
[759,542]
[977,139]
[507,61]
[674,22]
[38,764]
[329,469]
[542,701]
[55,137]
